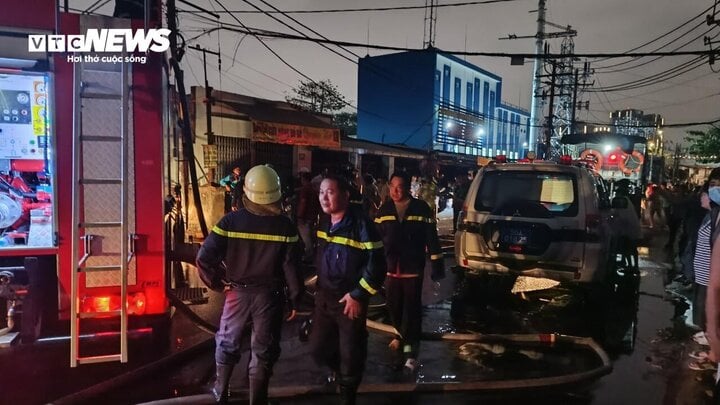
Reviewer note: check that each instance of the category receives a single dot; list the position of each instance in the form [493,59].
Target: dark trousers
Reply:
[258,308]
[404,301]
[337,341]
[673,226]
[698,311]
[228,201]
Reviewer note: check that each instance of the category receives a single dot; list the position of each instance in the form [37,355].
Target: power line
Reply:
[602,70]
[657,78]
[625,97]
[292,67]
[257,36]
[266,12]
[367,9]
[668,33]
[275,34]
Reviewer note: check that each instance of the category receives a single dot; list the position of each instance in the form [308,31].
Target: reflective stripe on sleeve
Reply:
[384,218]
[255,236]
[364,284]
[436,257]
[341,240]
[420,219]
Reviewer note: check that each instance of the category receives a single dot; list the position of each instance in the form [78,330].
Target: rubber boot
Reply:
[220,389]
[258,391]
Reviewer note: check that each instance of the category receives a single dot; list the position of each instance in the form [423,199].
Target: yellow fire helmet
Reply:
[262,185]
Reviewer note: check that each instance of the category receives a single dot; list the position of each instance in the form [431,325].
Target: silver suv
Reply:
[536,219]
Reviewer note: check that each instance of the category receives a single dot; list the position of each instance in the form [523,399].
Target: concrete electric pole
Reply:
[536,104]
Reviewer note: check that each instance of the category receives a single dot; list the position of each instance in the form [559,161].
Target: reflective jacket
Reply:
[257,250]
[408,242]
[350,256]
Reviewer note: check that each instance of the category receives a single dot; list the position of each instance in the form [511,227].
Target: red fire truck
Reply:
[81,183]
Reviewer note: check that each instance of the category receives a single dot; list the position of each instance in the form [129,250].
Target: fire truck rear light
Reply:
[136,303]
[100,304]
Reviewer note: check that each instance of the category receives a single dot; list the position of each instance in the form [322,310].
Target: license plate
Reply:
[514,237]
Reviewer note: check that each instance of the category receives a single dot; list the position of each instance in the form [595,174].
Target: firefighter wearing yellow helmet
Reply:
[259,248]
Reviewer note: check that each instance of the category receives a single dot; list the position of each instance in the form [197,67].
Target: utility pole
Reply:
[208,94]
[174,61]
[551,116]
[574,101]
[430,24]
[536,105]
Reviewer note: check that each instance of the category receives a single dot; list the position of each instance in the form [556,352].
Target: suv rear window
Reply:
[547,194]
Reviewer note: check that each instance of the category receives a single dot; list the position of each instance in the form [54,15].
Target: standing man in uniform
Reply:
[408,230]
[259,249]
[351,267]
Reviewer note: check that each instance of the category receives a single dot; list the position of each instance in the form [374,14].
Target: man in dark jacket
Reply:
[351,267]
[259,249]
[408,230]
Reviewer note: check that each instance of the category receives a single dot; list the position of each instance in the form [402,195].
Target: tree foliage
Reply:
[705,146]
[320,97]
[346,122]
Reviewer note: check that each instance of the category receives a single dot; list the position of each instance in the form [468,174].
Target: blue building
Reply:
[434,101]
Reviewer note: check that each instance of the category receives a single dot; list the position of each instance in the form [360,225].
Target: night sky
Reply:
[612,26]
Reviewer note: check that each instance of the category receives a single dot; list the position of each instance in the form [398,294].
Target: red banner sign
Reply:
[295,134]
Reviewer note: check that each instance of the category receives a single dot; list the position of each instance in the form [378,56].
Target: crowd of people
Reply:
[359,233]
[691,215]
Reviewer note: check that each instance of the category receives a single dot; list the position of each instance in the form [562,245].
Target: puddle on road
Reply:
[476,361]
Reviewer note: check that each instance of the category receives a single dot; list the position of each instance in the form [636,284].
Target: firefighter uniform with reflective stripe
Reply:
[407,242]
[350,260]
[260,252]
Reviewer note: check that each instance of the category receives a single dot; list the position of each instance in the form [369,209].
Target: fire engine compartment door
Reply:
[27,209]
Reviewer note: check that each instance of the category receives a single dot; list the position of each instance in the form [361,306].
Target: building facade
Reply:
[432,101]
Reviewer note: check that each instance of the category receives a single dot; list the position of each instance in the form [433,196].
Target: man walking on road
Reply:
[351,267]
[408,229]
[259,249]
